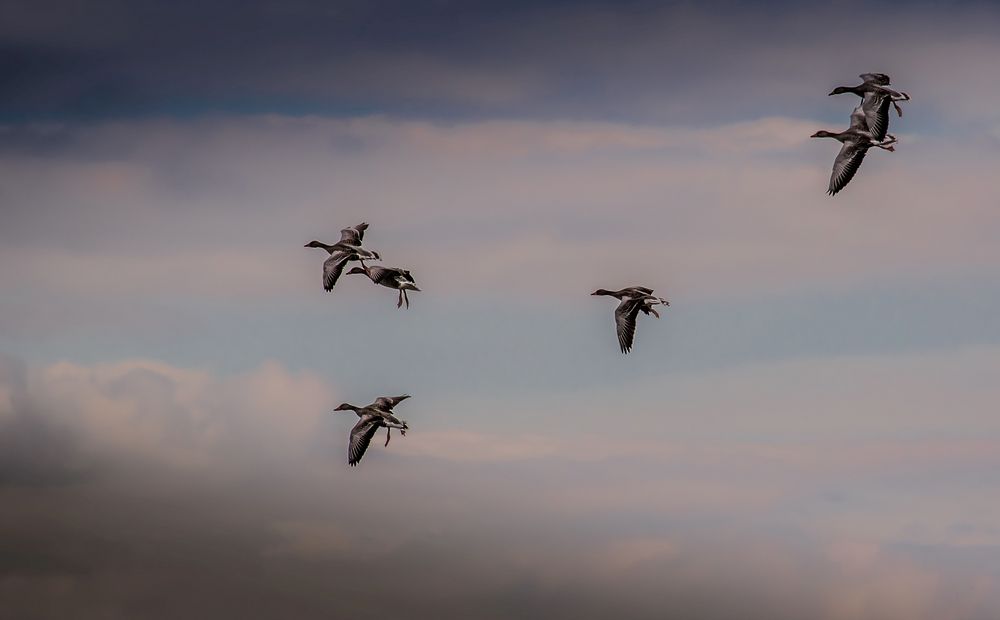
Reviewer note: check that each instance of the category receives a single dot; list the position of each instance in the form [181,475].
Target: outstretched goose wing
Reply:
[333,267]
[388,402]
[845,166]
[625,315]
[875,106]
[354,234]
[361,436]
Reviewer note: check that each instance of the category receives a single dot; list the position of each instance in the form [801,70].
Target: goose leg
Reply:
[901,97]
[887,143]
[388,433]
[407,298]
[400,302]
[402,428]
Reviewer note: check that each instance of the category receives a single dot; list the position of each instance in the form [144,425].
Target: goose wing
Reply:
[875,107]
[354,234]
[875,78]
[858,122]
[333,267]
[638,291]
[625,315]
[846,165]
[383,275]
[388,402]
[361,436]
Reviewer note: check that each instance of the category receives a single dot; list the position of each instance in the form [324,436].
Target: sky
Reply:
[809,431]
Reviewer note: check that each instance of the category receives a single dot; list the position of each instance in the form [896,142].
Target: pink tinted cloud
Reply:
[222,207]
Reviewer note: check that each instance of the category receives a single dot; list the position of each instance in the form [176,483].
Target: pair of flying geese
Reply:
[869,126]
[349,249]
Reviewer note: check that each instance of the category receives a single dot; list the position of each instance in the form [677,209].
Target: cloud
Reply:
[635,61]
[221,208]
[233,488]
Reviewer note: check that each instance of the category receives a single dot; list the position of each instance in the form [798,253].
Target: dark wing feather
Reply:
[876,109]
[639,290]
[875,78]
[333,267]
[625,315]
[383,275]
[845,166]
[353,235]
[388,402]
[361,436]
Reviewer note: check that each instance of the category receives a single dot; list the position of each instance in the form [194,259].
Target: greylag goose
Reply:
[857,140]
[374,416]
[633,300]
[390,277]
[875,99]
[347,249]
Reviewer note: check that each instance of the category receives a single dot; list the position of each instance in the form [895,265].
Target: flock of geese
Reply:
[869,128]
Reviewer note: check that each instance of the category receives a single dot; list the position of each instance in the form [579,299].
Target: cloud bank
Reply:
[165,491]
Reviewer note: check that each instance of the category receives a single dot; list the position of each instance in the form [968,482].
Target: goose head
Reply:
[842,89]
[345,407]
[822,133]
[603,291]
[314,244]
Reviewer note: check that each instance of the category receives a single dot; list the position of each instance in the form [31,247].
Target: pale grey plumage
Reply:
[876,96]
[347,249]
[856,140]
[389,277]
[372,417]
[634,299]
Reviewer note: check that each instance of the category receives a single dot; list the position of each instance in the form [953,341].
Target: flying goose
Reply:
[857,139]
[374,416]
[633,300]
[391,277]
[347,249]
[875,99]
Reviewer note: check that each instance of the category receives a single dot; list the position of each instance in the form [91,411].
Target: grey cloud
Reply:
[261,517]
[637,61]
[35,450]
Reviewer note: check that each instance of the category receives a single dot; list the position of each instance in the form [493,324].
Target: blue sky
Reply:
[808,431]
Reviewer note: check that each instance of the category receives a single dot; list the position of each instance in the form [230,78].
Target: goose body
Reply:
[347,249]
[389,277]
[634,299]
[876,96]
[856,140]
[371,418]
